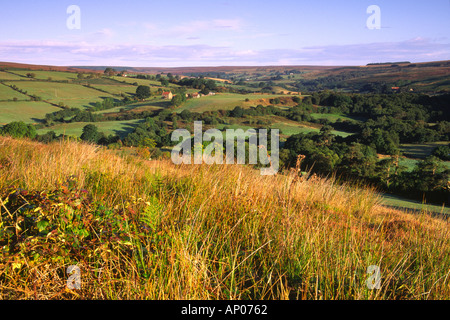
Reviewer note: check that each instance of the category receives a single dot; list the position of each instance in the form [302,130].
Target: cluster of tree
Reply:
[70,115]
[92,135]
[204,85]
[442,152]
[14,87]
[110,72]
[408,118]
[18,130]
[208,118]
[405,106]
[178,99]
[91,75]
[107,103]
[151,133]
[325,154]
[143,92]
[145,77]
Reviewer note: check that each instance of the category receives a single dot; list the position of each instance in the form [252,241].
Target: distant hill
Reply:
[430,77]
[227,69]
[10,65]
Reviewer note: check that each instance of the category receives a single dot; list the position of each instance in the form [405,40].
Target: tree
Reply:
[430,175]
[442,152]
[296,99]
[275,101]
[47,137]
[110,72]
[237,112]
[178,100]
[143,92]
[90,133]
[31,75]
[19,130]
[186,115]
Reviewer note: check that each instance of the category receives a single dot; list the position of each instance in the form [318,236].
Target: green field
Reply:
[6,93]
[26,111]
[44,75]
[72,95]
[290,129]
[143,82]
[421,151]
[121,128]
[334,117]
[224,101]
[398,202]
[151,105]
[410,164]
[140,82]
[9,76]
[117,89]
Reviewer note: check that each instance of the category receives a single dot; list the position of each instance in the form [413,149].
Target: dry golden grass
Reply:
[216,232]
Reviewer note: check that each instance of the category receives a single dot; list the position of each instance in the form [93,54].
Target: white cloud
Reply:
[73,53]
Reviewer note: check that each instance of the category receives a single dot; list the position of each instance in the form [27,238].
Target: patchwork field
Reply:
[398,202]
[121,128]
[8,94]
[334,117]
[9,76]
[26,111]
[420,151]
[291,128]
[70,94]
[225,101]
[143,82]
[117,89]
[44,75]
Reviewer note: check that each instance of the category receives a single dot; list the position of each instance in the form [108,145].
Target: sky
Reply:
[150,33]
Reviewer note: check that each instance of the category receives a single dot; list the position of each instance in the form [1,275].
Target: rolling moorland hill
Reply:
[356,103]
[142,229]
[424,76]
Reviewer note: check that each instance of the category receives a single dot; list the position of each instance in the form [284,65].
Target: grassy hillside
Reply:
[226,101]
[72,95]
[151,230]
[27,111]
[121,128]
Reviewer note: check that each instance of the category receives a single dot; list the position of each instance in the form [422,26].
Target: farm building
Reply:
[167,95]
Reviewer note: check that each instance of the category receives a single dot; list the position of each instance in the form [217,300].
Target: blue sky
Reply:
[177,33]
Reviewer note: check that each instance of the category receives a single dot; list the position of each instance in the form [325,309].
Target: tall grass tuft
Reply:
[152,230]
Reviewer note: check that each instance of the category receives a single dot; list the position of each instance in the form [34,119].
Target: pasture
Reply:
[290,128]
[225,101]
[8,94]
[143,82]
[411,205]
[26,111]
[44,75]
[117,89]
[421,151]
[120,128]
[410,164]
[72,95]
[332,117]
[9,76]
